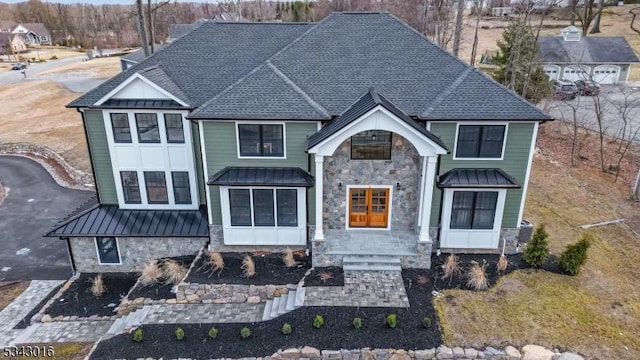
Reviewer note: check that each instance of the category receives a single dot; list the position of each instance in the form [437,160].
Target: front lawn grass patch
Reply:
[11,291]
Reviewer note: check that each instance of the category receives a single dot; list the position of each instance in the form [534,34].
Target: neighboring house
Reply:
[354,135]
[7,26]
[604,59]
[135,57]
[177,31]
[11,44]
[33,33]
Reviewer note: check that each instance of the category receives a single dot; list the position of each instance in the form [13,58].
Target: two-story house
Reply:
[354,135]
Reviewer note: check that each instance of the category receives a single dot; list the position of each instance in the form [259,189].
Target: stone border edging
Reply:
[82,179]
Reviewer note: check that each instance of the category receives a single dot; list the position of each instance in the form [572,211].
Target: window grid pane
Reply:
[173,124]
[485,210]
[156,187]
[249,137]
[263,207]
[181,189]
[107,250]
[240,207]
[272,140]
[473,210]
[484,141]
[121,129]
[261,140]
[461,210]
[130,187]
[491,145]
[287,207]
[371,145]
[147,128]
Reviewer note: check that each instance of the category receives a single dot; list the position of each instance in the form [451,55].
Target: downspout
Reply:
[441,204]
[86,136]
[70,253]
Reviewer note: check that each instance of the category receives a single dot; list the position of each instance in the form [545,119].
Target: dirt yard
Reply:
[8,292]
[38,114]
[596,313]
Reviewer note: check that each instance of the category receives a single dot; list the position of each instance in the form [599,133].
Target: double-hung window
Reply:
[147,128]
[181,189]
[156,186]
[173,125]
[130,187]
[263,207]
[107,248]
[261,140]
[473,209]
[480,141]
[120,127]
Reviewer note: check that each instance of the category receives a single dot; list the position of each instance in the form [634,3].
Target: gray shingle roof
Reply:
[138,55]
[316,71]
[494,178]
[160,78]
[261,176]
[110,220]
[38,28]
[368,101]
[589,50]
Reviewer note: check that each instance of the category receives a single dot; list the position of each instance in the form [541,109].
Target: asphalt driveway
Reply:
[34,203]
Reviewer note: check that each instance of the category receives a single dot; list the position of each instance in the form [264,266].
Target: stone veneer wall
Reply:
[404,167]
[134,252]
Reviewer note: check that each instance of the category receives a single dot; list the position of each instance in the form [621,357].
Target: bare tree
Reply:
[142,31]
[588,14]
[474,47]
[596,24]
[629,132]
[458,30]
[633,19]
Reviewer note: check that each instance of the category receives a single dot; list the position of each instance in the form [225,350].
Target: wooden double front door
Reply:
[368,207]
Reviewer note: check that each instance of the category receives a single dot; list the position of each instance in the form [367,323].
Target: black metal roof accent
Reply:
[140,104]
[474,178]
[367,102]
[261,176]
[110,220]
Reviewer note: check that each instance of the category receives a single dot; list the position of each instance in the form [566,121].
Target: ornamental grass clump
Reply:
[248,267]
[173,272]
[391,320]
[451,266]
[288,259]
[214,262]
[477,276]
[575,255]
[286,329]
[537,250]
[318,321]
[97,286]
[502,264]
[325,276]
[179,333]
[151,273]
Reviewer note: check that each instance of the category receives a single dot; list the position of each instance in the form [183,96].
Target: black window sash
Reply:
[107,250]
[266,145]
[120,127]
[480,141]
[473,210]
[174,128]
[130,187]
[147,124]
[181,187]
[156,185]
[263,207]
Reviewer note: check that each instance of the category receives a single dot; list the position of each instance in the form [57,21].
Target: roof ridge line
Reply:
[241,79]
[297,89]
[454,85]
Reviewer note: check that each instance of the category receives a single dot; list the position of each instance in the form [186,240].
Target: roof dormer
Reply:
[571,33]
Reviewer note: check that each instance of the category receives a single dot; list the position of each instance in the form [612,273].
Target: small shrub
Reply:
[392,320]
[245,333]
[451,266]
[173,272]
[97,286]
[537,251]
[426,322]
[502,264]
[138,335]
[318,321]
[286,328]
[213,333]
[179,333]
[477,276]
[288,259]
[151,273]
[575,255]
[325,276]
[213,262]
[357,323]
[248,267]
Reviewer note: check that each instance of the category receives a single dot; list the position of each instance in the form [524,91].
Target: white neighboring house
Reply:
[571,56]
[33,33]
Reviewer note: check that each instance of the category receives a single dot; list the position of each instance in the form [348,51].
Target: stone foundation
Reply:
[134,252]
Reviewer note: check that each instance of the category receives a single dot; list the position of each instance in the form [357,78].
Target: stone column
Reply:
[319,235]
[428,177]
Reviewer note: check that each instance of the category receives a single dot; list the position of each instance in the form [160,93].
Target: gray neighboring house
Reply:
[136,57]
[351,137]
[571,56]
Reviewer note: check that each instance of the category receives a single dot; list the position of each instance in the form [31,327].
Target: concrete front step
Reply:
[373,252]
[371,263]
[370,267]
[283,304]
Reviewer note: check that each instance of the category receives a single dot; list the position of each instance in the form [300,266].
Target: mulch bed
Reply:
[78,300]
[337,333]
[26,321]
[332,275]
[270,270]
[161,290]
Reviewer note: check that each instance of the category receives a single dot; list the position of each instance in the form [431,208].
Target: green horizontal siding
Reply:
[222,151]
[100,159]
[515,161]
[195,135]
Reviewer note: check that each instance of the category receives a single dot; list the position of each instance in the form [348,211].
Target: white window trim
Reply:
[284,140]
[164,146]
[95,243]
[504,140]
[347,207]
[226,211]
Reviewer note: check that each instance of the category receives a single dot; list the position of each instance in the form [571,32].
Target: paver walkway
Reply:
[203,313]
[361,288]
[21,306]
[64,331]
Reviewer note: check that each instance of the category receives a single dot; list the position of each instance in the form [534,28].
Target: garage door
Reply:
[606,74]
[552,71]
[575,73]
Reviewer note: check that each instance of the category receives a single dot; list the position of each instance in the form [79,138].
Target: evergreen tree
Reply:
[519,64]
[537,250]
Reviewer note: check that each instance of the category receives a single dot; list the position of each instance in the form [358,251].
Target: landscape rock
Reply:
[400,355]
[470,353]
[310,352]
[493,351]
[512,353]
[291,353]
[46,318]
[239,298]
[535,352]
[350,355]
[427,354]
[331,355]
[569,356]
[253,299]
[368,354]
[444,352]
[458,352]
